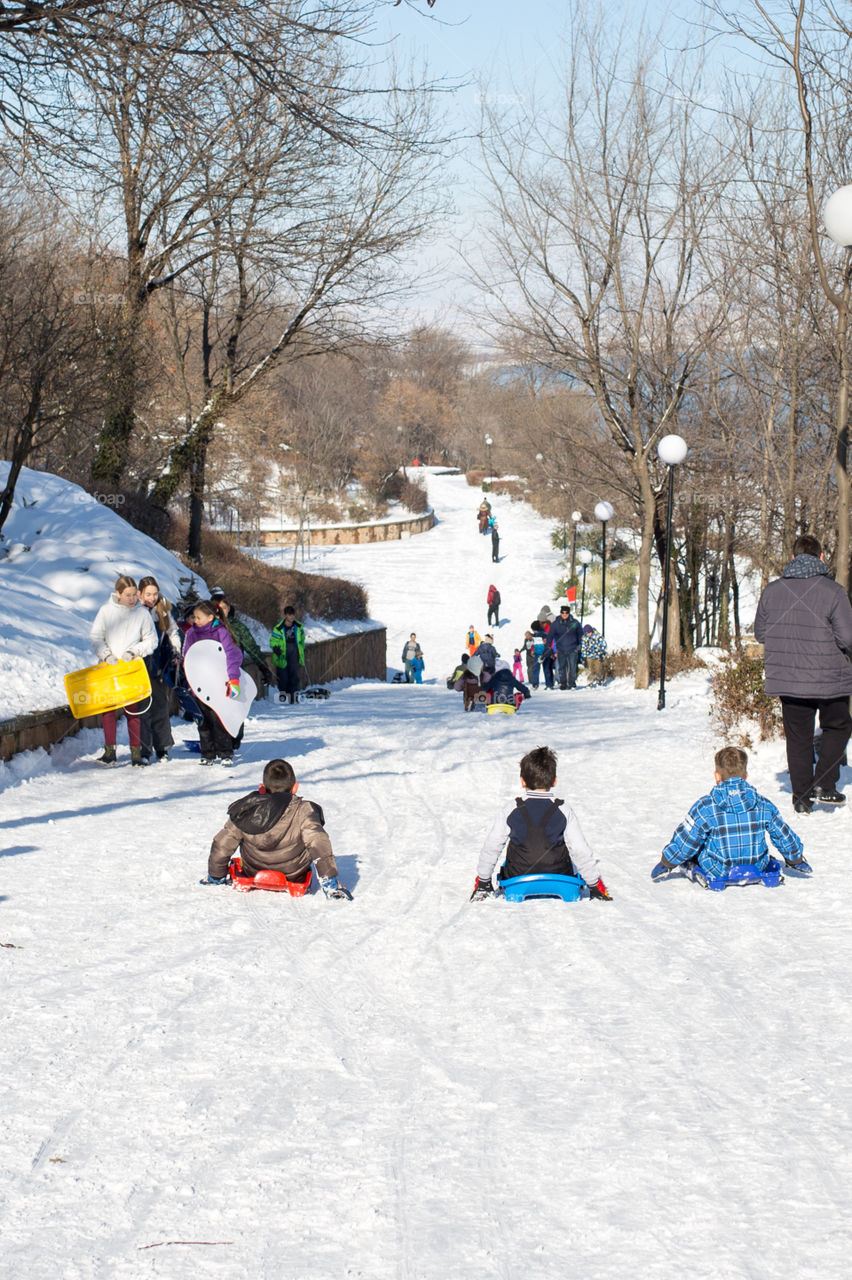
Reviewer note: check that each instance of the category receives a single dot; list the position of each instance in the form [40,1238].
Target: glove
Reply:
[482,889]
[128,657]
[801,868]
[215,880]
[662,870]
[600,891]
[276,649]
[111,659]
[232,688]
[332,888]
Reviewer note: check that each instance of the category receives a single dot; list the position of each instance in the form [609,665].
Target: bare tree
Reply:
[811,45]
[602,222]
[304,252]
[49,353]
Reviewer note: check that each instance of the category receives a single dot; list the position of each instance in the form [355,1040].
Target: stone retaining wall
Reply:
[335,535]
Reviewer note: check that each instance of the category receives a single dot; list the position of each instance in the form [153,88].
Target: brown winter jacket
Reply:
[290,843]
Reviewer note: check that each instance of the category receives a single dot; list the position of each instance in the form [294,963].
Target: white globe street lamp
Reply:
[604,511]
[671,450]
[489,443]
[837,217]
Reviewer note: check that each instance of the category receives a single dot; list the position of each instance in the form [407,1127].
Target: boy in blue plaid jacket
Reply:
[728,827]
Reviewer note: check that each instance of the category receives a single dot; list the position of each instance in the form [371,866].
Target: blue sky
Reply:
[501,49]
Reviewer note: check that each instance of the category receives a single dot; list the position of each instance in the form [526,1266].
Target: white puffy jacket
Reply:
[117,630]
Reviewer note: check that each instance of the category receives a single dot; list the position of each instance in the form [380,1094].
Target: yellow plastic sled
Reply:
[506,707]
[107,686]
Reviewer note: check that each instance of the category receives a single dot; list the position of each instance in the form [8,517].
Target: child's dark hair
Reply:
[731,762]
[538,769]
[279,776]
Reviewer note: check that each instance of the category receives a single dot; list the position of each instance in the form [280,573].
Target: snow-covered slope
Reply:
[65,551]
[201,1083]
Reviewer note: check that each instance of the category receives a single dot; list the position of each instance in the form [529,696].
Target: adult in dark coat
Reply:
[566,637]
[804,621]
[495,543]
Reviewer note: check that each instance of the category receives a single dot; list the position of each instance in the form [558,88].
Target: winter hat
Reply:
[587,630]
[217,593]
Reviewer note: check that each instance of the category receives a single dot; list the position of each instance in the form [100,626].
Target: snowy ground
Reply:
[408,1087]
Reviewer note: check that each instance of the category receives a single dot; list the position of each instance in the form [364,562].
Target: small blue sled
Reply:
[522,888]
[771,876]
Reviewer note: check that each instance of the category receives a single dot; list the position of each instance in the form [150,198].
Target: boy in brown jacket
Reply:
[274,830]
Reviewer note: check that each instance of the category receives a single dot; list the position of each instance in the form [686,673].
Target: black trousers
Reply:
[799,716]
[156,725]
[494,615]
[215,739]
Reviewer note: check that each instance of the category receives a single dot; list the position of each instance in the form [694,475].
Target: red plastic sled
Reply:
[276,881]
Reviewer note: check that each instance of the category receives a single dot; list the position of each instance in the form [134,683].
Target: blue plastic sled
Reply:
[771,876]
[568,888]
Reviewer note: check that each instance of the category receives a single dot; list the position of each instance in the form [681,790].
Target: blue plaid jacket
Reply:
[728,828]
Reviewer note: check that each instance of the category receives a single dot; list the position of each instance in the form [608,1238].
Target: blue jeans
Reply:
[567,667]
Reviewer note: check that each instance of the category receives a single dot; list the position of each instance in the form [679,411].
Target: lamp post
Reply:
[585,561]
[489,443]
[603,512]
[671,450]
[576,517]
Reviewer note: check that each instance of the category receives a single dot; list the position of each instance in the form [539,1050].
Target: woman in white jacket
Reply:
[123,630]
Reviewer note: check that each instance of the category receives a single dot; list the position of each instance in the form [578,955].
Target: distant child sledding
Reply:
[272,838]
[538,841]
[722,840]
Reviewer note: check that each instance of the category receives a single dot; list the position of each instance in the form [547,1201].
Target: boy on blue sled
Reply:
[539,838]
[725,832]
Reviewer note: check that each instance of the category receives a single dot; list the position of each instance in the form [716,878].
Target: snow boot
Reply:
[108,757]
[136,756]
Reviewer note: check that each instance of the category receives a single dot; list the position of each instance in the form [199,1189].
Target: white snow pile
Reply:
[204,1083]
[65,551]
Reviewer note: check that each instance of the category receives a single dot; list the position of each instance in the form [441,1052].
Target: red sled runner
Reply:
[276,881]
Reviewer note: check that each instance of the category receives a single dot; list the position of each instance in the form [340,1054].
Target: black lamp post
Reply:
[576,517]
[603,512]
[585,561]
[671,450]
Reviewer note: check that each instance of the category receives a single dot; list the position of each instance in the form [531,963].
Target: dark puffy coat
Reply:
[804,621]
[566,634]
[488,654]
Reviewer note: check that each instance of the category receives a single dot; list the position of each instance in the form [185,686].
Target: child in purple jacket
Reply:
[208,625]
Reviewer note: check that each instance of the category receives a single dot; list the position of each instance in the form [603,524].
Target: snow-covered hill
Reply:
[202,1083]
[64,552]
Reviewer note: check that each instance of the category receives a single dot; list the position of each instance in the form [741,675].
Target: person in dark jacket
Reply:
[487,653]
[566,637]
[276,831]
[287,642]
[502,685]
[155,727]
[537,835]
[804,621]
[495,543]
